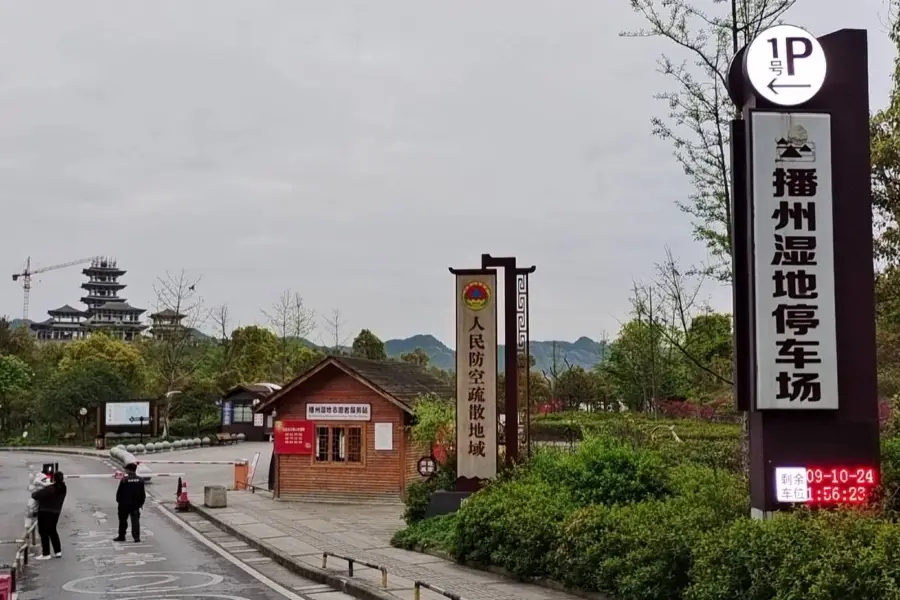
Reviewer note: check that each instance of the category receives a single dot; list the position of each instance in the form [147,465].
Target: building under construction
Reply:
[106,310]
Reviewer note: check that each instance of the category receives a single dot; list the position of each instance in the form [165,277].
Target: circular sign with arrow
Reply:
[786,65]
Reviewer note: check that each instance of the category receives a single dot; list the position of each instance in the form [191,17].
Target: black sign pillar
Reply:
[836,450]
[517,359]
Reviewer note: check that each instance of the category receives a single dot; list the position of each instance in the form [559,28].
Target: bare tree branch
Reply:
[292,322]
[699,108]
[181,314]
[337,339]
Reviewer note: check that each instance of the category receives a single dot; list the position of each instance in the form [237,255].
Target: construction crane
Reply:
[27,273]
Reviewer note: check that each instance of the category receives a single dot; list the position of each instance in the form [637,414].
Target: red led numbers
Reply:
[841,485]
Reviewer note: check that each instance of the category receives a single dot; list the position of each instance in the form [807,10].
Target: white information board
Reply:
[127,413]
[384,436]
[793,263]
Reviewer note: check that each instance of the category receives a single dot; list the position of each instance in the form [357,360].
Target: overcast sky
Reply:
[351,151]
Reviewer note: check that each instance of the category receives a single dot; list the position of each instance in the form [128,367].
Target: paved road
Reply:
[172,562]
[13,498]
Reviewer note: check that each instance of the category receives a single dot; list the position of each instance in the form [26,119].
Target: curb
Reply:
[353,587]
[547,584]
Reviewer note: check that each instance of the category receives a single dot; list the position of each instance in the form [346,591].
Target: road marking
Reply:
[233,560]
[158,578]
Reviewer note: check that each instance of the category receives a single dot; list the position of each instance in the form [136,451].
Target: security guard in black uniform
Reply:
[130,497]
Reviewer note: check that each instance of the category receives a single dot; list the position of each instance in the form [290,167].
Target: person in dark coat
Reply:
[49,505]
[130,496]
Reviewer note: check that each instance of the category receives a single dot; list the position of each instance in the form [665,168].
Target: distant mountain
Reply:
[583,352]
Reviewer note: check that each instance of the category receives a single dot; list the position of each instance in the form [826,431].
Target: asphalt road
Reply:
[13,499]
[171,563]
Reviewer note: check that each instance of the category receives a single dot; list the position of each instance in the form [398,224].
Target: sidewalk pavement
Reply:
[299,533]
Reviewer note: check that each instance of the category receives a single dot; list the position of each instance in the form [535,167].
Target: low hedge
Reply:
[515,525]
[438,533]
[602,470]
[644,550]
[716,445]
[418,494]
[843,555]
[645,520]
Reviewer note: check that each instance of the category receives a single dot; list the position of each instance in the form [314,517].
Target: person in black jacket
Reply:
[130,497]
[50,502]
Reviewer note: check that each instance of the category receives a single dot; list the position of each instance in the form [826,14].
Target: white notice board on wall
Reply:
[128,413]
[384,436]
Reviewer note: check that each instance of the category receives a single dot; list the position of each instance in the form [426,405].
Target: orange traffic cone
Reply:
[182,503]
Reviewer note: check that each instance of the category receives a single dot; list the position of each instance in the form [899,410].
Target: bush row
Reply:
[622,519]
[715,445]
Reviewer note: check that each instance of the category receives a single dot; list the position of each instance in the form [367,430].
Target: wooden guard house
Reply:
[359,411]
[237,411]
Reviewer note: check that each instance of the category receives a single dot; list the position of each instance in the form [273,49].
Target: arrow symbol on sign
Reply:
[772,85]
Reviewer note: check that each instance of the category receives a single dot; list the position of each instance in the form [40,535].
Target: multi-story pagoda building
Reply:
[106,310]
[66,323]
[166,323]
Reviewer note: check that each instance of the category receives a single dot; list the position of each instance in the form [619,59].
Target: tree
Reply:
[255,353]
[196,407]
[84,384]
[887,320]
[16,340]
[416,357]
[885,142]
[538,391]
[218,361]
[125,359]
[15,379]
[367,345]
[292,323]
[337,337]
[174,354]
[641,366]
[709,342]
[434,420]
[699,108]
[576,387]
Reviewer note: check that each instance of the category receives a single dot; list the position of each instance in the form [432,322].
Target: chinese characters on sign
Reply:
[339,412]
[796,347]
[476,375]
[791,484]
[293,436]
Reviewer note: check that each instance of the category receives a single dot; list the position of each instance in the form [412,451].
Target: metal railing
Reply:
[419,585]
[21,558]
[351,561]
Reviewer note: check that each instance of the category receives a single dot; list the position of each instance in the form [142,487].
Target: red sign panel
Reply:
[294,436]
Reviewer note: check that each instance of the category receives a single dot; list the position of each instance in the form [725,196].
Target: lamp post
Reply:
[83,413]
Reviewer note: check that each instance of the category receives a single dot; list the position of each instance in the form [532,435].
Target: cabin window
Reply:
[338,445]
[243,414]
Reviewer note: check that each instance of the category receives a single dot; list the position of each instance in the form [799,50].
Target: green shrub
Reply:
[643,551]
[418,494]
[716,445]
[602,470]
[828,555]
[890,472]
[513,525]
[438,533]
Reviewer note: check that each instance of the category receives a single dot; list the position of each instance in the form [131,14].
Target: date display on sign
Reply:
[825,485]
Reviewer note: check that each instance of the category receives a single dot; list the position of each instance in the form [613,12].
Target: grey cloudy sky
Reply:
[351,151]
